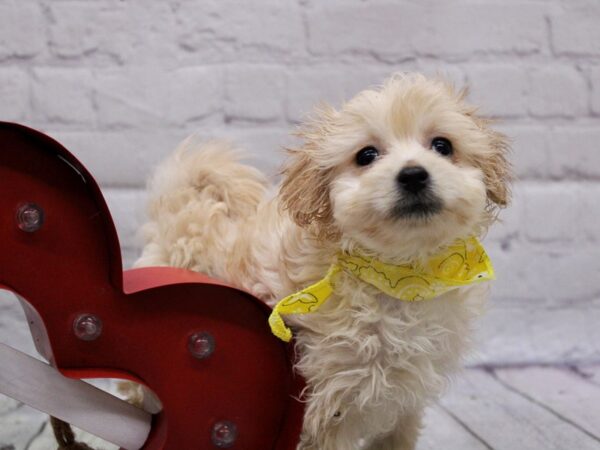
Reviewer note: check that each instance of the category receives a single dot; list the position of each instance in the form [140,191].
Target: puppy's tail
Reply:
[198,197]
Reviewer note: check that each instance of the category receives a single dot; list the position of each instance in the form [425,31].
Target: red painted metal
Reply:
[72,265]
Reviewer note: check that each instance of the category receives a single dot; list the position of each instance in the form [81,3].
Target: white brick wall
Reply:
[120,83]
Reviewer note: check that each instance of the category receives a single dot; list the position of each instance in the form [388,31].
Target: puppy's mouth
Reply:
[417,207]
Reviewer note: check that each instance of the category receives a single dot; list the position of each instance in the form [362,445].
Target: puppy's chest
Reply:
[402,331]
[371,327]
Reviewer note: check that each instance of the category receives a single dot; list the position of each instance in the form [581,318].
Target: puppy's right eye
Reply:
[366,156]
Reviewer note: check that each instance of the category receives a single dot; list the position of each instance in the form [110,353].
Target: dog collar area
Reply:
[462,263]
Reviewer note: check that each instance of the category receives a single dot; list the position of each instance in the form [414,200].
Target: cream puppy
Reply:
[397,173]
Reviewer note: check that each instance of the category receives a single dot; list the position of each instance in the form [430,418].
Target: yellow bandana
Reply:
[460,264]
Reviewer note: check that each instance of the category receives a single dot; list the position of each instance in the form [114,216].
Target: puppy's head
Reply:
[398,171]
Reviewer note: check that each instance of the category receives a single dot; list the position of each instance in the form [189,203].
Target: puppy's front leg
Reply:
[404,437]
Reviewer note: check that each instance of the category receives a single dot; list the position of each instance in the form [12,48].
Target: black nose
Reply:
[413,179]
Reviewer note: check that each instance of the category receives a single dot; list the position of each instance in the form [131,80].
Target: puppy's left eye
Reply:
[366,156]
[442,145]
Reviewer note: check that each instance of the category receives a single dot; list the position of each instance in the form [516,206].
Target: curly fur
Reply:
[372,363]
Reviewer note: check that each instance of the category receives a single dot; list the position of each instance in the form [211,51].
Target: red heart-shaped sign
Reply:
[203,347]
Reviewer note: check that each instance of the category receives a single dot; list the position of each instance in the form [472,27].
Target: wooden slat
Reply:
[564,392]
[506,420]
[590,372]
[442,431]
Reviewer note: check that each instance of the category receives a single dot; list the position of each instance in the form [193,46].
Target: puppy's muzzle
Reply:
[413,179]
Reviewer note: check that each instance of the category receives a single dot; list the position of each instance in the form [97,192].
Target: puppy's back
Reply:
[197,199]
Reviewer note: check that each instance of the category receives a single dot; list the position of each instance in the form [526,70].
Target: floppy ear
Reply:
[497,170]
[304,192]
[493,161]
[494,164]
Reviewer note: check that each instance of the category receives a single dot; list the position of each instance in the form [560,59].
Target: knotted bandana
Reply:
[460,264]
